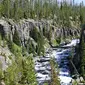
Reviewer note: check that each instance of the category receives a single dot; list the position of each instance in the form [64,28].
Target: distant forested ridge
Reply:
[62,13]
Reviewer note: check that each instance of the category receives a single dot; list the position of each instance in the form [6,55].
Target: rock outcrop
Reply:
[7,27]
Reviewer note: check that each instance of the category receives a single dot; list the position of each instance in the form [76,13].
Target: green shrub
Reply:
[21,72]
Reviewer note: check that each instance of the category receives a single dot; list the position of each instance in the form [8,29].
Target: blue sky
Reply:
[78,1]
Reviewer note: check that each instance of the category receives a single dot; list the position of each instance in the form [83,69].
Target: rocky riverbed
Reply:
[61,55]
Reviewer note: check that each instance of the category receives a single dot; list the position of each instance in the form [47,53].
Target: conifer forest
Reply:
[42,42]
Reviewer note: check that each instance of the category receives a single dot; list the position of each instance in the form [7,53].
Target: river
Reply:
[61,55]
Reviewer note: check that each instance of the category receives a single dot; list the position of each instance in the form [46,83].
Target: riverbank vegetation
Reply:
[54,75]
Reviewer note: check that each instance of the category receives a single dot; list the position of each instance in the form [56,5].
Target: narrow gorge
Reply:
[42,42]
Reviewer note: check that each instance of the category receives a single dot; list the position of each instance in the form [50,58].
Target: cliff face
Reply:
[25,27]
[26,33]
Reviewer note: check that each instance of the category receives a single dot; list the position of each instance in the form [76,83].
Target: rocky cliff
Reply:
[34,35]
[25,27]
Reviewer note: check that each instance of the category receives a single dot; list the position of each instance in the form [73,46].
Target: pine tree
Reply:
[82,52]
[31,47]
[82,12]
[1,10]
[54,74]
[16,38]
[40,44]
[20,72]
[34,34]
[10,44]
[6,8]
[16,6]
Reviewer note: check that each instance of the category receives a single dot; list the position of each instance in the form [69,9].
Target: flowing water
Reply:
[61,56]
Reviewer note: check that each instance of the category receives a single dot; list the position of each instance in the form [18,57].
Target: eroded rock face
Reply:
[65,32]
[4,28]
[5,55]
[25,26]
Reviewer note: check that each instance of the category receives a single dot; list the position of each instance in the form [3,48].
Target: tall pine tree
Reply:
[82,51]
[16,38]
